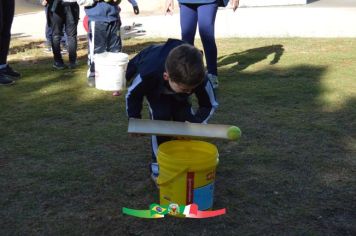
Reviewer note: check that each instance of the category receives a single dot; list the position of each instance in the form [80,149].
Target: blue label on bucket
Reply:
[203,196]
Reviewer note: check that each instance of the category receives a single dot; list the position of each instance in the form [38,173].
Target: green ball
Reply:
[234,133]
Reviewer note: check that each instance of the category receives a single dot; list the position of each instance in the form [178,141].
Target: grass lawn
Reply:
[67,165]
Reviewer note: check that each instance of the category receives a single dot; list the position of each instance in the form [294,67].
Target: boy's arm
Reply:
[134,98]
[133,2]
[207,102]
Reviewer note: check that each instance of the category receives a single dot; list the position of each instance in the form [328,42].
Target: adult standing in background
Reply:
[203,13]
[63,13]
[7,11]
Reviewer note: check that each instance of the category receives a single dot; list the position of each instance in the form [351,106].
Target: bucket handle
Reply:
[173,177]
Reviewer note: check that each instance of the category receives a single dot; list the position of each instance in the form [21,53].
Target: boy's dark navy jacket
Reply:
[150,65]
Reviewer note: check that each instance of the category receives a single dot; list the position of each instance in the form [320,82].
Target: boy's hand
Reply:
[136,10]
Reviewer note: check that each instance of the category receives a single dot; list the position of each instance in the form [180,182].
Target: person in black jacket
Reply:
[167,75]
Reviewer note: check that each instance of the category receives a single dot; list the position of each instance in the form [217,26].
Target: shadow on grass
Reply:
[294,160]
[242,60]
[67,165]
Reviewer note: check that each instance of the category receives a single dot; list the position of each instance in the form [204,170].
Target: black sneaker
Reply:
[72,65]
[59,65]
[10,73]
[91,81]
[5,81]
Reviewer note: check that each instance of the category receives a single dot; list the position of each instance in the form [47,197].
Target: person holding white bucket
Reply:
[104,23]
[167,75]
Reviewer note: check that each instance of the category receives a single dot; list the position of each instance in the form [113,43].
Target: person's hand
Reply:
[169,7]
[136,10]
[44,2]
[234,4]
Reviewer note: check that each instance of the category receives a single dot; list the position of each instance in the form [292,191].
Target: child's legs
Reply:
[160,109]
[97,38]
[188,22]
[71,22]
[166,108]
[100,36]
[48,30]
[57,23]
[206,21]
[114,39]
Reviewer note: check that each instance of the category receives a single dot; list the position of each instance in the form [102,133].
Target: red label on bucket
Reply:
[190,188]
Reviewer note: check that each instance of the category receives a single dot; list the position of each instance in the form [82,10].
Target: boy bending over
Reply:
[167,75]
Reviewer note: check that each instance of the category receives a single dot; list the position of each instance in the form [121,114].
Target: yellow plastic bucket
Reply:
[187,172]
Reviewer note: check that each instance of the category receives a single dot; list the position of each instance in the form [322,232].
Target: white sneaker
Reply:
[154,173]
[154,179]
[214,80]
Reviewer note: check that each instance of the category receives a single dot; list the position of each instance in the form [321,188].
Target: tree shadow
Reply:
[242,60]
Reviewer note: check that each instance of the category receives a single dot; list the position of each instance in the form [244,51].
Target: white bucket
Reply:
[110,70]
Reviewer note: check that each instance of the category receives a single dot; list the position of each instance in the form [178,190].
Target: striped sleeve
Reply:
[134,98]
[207,102]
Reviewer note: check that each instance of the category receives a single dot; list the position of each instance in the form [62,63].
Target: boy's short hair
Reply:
[185,65]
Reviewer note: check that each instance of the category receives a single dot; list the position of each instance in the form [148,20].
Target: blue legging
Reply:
[204,15]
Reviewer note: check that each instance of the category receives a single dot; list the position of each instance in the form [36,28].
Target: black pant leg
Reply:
[114,39]
[97,41]
[57,23]
[71,13]
[101,36]
[7,11]
[161,108]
